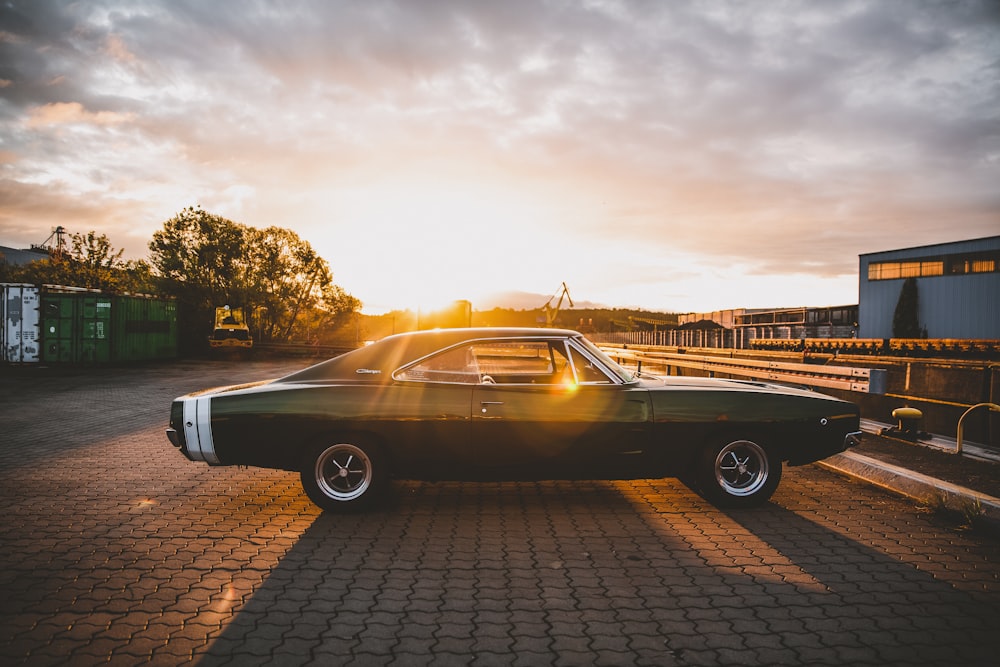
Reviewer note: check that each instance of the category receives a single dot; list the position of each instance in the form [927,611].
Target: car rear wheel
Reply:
[738,473]
[343,476]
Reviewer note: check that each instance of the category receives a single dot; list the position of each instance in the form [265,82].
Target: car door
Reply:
[428,413]
[549,408]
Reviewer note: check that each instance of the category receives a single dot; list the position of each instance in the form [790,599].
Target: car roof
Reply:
[380,359]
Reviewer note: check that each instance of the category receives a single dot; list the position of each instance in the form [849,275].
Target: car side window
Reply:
[456,366]
[522,362]
[538,362]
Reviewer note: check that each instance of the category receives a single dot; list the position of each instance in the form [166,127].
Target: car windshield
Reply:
[622,373]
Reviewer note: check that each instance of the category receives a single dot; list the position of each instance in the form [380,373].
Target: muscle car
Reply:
[507,404]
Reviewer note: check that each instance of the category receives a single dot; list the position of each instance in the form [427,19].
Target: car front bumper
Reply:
[852,439]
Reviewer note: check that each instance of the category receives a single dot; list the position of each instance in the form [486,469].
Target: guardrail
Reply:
[863,380]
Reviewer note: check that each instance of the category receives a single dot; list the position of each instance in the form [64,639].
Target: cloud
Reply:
[30,212]
[72,113]
[754,138]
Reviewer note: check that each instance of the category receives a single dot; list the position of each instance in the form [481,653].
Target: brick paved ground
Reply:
[113,548]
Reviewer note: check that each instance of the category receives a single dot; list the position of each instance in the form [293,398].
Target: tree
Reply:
[138,278]
[198,253]
[90,262]
[905,319]
[288,280]
[275,276]
[95,261]
[329,316]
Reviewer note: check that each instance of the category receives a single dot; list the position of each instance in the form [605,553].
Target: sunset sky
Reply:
[677,156]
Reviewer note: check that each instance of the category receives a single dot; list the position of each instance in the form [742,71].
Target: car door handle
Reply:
[485,403]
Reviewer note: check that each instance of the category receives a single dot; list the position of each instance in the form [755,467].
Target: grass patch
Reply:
[968,515]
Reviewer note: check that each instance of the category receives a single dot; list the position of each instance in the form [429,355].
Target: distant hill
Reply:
[580,318]
[526,301]
[586,320]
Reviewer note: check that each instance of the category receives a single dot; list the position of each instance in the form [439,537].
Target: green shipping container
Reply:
[75,327]
[79,326]
[145,328]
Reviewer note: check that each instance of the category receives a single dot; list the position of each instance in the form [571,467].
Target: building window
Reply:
[932,268]
[981,262]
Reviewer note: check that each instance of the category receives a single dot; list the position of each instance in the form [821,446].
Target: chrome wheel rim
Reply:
[343,472]
[741,468]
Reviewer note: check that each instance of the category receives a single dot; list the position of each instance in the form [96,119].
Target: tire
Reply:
[738,473]
[343,476]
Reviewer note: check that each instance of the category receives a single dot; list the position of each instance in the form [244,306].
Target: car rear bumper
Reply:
[231,342]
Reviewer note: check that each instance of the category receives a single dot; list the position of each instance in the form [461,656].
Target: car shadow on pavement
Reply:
[642,572]
[871,578]
[452,570]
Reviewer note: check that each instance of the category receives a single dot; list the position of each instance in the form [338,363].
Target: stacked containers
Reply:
[72,325]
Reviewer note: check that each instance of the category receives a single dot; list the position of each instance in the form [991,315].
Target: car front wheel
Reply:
[739,473]
[343,476]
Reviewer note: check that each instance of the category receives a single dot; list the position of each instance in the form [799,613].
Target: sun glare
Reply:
[425,246]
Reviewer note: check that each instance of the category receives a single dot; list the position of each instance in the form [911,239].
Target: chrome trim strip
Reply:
[198,430]
[191,430]
[204,411]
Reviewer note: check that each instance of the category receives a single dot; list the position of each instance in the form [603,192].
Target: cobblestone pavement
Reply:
[115,549]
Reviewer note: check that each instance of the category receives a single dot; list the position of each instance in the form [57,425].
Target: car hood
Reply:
[225,389]
[679,383]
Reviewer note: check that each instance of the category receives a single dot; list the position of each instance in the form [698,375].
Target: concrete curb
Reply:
[941,443]
[914,485]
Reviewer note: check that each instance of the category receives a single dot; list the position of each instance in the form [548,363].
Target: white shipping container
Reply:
[19,335]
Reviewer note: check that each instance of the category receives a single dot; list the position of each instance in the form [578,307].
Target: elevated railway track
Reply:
[863,380]
[921,347]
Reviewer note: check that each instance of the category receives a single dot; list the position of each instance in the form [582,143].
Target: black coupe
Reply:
[510,404]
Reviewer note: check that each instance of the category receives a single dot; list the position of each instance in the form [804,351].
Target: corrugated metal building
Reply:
[17,257]
[958,289]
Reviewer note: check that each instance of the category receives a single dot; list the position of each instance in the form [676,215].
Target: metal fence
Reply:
[667,361]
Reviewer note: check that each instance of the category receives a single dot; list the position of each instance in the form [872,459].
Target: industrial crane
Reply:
[552,312]
[60,243]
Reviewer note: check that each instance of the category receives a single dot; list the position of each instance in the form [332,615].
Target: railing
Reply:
[992,407]
[801,339]
[883,346]
[863,380]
